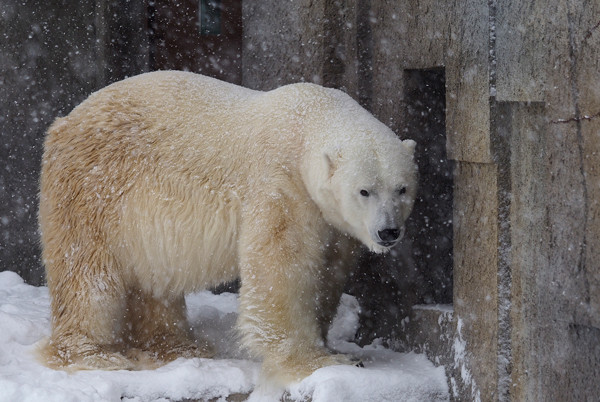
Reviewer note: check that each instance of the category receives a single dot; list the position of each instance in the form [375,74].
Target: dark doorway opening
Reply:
[430,225]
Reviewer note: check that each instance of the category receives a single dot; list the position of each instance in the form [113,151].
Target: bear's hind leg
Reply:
[159,327]
[87,304]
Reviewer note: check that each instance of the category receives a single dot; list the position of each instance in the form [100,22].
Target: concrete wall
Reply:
[51,58]
[554,176]
[282,43]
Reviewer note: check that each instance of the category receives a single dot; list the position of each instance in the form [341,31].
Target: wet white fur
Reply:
[170,182]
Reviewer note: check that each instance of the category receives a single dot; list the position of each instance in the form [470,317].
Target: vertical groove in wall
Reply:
[364,49]
[430,227]
[502,134]
[333,66]
[580,144]
[101,34]
[501,131]
[492,65]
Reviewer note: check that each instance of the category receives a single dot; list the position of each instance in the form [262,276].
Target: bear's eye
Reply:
[364,193]
[402,190]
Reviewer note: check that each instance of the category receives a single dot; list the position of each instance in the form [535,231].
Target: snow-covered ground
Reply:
[25,320]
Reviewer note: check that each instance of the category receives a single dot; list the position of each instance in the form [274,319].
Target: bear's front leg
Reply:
[280,258]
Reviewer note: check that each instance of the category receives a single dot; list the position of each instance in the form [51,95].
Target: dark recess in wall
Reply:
[430,225]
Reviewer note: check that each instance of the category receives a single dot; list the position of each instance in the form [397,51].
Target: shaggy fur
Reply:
[171,182]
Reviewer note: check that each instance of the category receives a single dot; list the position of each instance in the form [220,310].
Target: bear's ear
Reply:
[331,166]
[410,145]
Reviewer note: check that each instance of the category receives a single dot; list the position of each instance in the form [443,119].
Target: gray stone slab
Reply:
[468,85]
[522,63]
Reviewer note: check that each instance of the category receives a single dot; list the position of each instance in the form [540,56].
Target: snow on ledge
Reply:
[442,308]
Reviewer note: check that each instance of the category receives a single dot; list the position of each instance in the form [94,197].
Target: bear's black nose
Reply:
[388,235]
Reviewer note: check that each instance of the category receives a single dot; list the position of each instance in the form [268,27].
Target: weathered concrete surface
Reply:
[520,60]
[401,41]
[429,329]
[538,265]
[341,32]
[522,129]
[424,34]
[476,273]
[553,56]
[585,84]
[468,90]
[417,36]
[283,44]
[312,41]
[51,58]
[47,64]
[567,354]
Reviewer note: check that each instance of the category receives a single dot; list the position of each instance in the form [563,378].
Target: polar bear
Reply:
[170,182]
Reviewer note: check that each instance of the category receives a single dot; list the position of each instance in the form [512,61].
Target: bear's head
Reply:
[362,177]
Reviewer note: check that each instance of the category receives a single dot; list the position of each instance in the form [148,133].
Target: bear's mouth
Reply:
[387,243]
[389,237]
